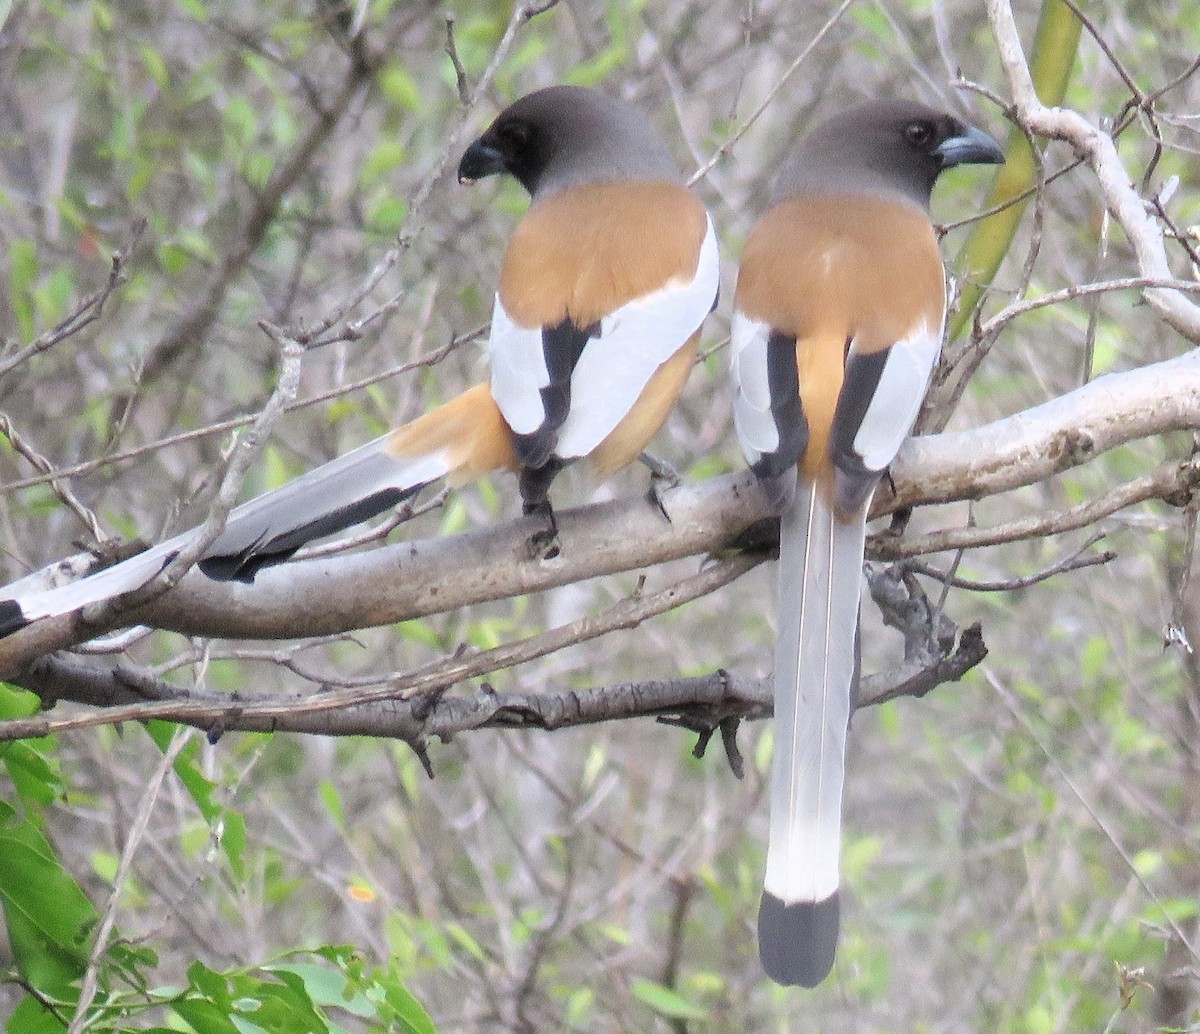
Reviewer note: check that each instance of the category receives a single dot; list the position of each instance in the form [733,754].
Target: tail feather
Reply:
[340,494]
[465,437]
[124,577]
[820,575]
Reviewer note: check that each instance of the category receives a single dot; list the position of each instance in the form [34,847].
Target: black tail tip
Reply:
[11,618]
[797,941]
[238,567]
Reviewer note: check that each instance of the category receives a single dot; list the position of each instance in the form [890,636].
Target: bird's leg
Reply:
[535,488]
[663,477]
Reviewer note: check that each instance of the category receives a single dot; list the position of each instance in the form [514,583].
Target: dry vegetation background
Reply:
[1011,839]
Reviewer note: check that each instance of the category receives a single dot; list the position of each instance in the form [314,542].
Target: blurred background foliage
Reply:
[1011,841]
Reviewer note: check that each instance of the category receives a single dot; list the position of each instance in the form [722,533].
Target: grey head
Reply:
[563,136]
[890,148]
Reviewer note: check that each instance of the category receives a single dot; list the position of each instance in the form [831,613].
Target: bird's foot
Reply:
[543,544]
[663,477]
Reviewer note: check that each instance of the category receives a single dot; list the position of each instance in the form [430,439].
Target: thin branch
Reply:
[133,839]
[1015,709]
[195,325]
[334,325]
[997,323]
[1173,483]
[242,458]
[726,147]
[61,677]
[1176,631]
[1100,152]
[233,424]
[86,312]
[460,73]
[58,485]
[1074,562]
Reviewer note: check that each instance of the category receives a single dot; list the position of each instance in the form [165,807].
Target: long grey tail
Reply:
[338,495]
[820,577]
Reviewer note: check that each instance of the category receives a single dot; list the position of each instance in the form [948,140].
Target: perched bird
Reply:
[603,290]
[838,321]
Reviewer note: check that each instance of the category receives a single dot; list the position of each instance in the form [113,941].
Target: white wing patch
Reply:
[634,342]
[518,371]
[752,417]
[898,396]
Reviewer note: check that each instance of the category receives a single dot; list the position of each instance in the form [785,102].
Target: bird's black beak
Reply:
[974,147]
[481,159]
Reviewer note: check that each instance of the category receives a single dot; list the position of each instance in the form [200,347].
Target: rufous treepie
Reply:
[838,321]
[603,290]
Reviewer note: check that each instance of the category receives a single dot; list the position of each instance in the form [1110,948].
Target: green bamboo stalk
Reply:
[1054,50]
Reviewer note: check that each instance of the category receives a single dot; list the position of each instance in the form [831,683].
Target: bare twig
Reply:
[1014,708]
[1074,562]
[223,426]
[1100,152]
[1068,294]
[66,678]
[460,73]
[242,458]
[726,147]
[133,839]
[86,312]
[195,325]
[60,487]
[334,325]
[1171,482]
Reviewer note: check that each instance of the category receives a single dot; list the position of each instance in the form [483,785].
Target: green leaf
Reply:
[233,840]
[333,804]
[53,296]
[48,916]
[172,257]
[382,158]
[406,1010]
[227,827]
[155,66]
[593,765]
[104,865]
[1038,1020]
[36,779]
[326,986]
[281,1005]
[241,122]
[459,935]
[399,87]
[22,275]
[198,9]
[579,1007]
[257,168]
[388,215]
[31,1017]
[665,1001]
[205,1017]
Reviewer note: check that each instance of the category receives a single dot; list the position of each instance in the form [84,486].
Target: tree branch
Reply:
[1043,441]
[414,579]
[1099,150]
[129,695]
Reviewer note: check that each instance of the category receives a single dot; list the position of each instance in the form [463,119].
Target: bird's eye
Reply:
[918,133]
[515,134]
